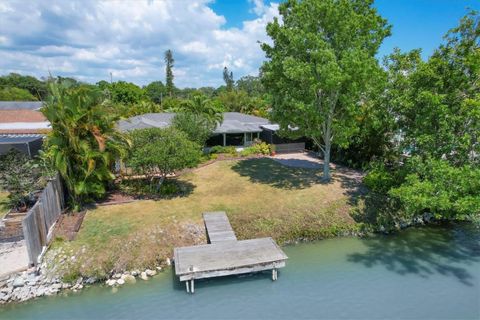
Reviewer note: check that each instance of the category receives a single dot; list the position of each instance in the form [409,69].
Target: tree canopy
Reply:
[158,152]
[319,65]
[83,143]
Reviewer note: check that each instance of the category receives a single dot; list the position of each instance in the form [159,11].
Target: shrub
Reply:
[21,177]
[437,187]
[429,186]
[158,152]
[257,149]
[221,149]
[379,179]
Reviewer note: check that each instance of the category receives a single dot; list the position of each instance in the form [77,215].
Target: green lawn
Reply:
[261,197]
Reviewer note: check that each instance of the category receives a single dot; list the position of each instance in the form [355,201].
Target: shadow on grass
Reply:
[145,189]
[272,173]
[425,251]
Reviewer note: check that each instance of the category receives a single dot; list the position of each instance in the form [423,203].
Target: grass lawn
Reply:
[260,196]
[3,204]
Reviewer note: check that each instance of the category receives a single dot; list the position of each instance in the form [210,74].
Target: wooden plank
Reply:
[31,234]
[218,227]
[227,255]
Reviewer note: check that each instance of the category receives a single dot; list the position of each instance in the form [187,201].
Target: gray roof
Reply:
[20,105]
[233,122]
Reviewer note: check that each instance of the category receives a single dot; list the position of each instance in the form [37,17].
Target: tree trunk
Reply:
[326,162]
[326,152]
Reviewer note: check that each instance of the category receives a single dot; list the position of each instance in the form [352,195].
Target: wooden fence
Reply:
[40,219]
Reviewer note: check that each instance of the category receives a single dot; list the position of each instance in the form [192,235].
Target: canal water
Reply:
[422,273]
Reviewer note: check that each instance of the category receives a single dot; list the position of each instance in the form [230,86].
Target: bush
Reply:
[429,186]
[158,152]
[379,179]
[221,149]
[260,148]
[437,187]
[22,178]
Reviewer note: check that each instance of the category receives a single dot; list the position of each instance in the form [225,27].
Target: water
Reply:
[427,273]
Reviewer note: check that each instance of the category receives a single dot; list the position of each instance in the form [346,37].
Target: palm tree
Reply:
[199,104]
[83,143]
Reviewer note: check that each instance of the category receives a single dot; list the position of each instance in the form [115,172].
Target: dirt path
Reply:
[13,257]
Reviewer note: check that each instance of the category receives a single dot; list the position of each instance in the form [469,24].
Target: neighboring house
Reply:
[237,129]
[22,126]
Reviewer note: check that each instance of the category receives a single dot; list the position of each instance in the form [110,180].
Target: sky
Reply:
[89,39]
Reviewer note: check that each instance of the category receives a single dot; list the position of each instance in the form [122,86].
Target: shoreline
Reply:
[38,282]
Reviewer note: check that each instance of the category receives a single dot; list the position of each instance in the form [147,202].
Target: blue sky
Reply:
[416,23]
[88,39]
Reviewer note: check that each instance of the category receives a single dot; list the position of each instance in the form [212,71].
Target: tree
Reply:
[36,87]
[169,72]
[228,78]
[126,93]
[83,143]
[142,107]
[158,152]
[435,105]
[199,104]
[437,102]
[251,85]
[16,94]
[196,126]
[155,91]
[318,68]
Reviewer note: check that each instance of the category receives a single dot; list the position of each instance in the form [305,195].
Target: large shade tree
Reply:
[320,62]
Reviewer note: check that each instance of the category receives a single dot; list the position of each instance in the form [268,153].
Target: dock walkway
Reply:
[225,255]
[218,227]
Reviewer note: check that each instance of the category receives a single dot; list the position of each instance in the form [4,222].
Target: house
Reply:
[237,129]
[22,126]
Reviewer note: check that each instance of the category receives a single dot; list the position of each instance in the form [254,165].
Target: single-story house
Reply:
[22,126]
[237,129]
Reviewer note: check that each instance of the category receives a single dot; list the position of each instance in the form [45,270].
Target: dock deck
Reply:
[225,255]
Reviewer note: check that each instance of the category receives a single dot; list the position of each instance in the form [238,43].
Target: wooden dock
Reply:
[218,227]
[225,255]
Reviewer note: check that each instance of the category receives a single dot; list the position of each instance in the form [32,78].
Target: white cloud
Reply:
[88,39]
[259,7]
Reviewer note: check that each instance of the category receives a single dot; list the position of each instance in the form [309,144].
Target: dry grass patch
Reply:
[261,197]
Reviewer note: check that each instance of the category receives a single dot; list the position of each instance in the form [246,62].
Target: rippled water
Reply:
[427,273]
